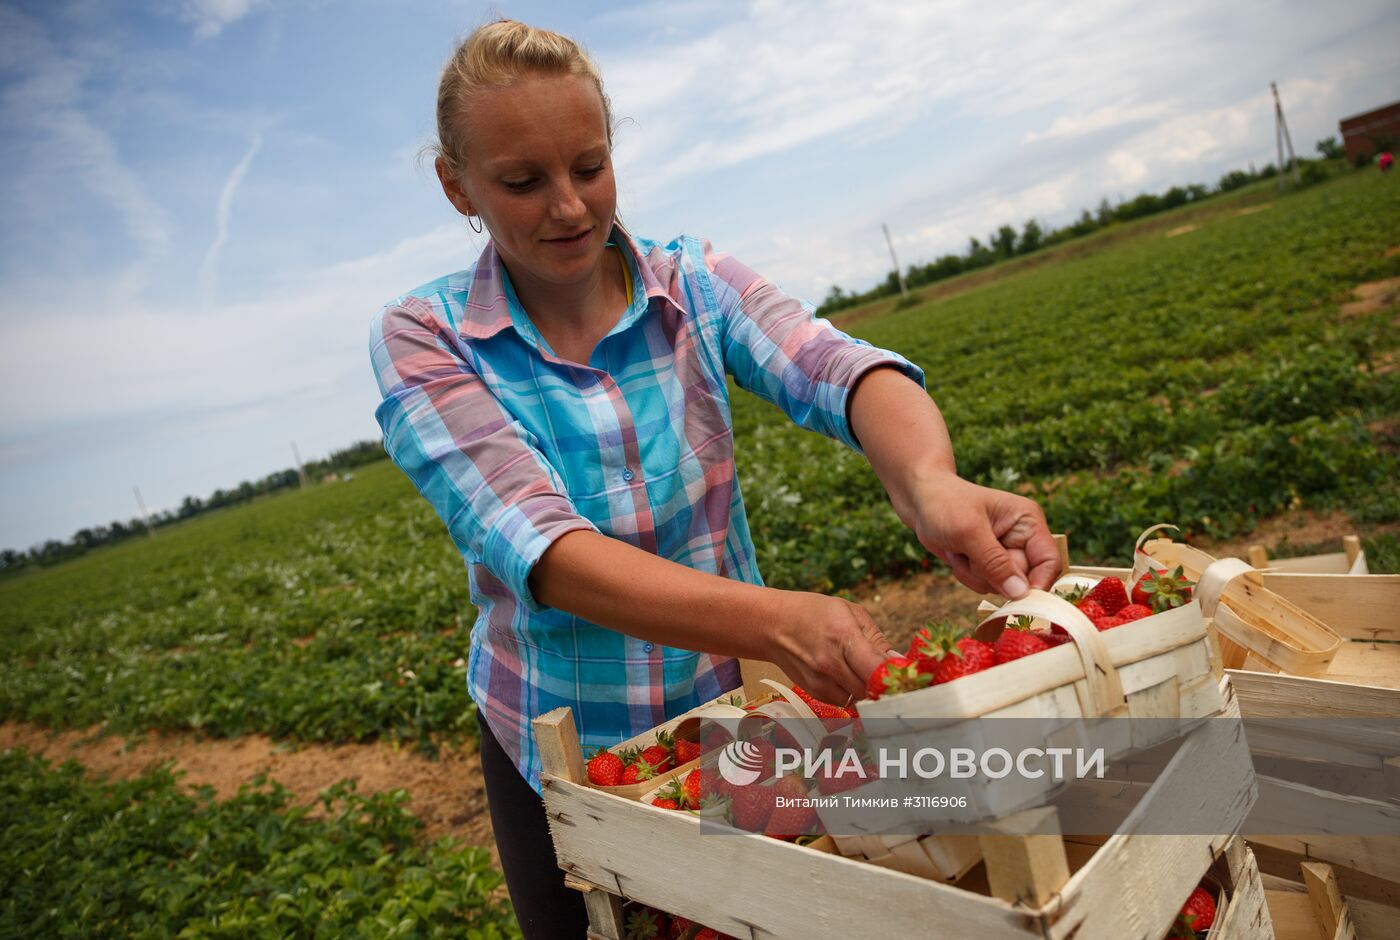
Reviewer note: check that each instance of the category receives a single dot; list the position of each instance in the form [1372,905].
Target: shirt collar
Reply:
[492,305]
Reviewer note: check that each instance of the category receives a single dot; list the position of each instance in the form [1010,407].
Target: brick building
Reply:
[1372,131]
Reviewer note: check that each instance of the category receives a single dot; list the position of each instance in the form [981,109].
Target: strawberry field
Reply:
[1209,380]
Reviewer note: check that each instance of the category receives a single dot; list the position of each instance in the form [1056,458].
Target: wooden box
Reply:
[1029,886]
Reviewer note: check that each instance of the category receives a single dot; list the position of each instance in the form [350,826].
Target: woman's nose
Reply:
[566,206]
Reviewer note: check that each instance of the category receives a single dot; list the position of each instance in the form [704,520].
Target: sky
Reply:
[205,202]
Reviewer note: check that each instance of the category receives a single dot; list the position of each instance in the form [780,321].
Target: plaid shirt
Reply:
[514,447]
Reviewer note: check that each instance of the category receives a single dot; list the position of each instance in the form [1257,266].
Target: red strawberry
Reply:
[686,751]
[605,768]
[700,783]
[896,675]
[831,716]
[1059,639]
[637,768]
[1197,914]
[751,806]
[1108,623]
[1161,591]
[789,822]
[710,933]
[955,654]
[1016,642]
[1135,612]
[658,757]
[1092,609]
[671,796]
[679,925]
[1110,594]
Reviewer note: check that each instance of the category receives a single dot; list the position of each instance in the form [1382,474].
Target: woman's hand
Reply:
[995,542]
[827,645]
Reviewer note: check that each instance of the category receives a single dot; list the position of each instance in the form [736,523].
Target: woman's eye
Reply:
[518,186]
[590,172]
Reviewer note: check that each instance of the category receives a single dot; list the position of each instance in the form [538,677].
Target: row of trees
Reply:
[84,540]
[1007,243]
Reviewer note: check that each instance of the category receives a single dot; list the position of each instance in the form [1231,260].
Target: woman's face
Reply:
[538,171]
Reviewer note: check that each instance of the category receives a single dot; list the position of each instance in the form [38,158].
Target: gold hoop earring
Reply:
[478,228]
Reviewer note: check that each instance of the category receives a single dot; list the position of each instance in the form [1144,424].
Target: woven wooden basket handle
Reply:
[1105,686]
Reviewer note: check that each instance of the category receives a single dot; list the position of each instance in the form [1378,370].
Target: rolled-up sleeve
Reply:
[481,470]
[776,347]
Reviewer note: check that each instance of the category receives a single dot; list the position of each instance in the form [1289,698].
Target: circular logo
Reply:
[740,763]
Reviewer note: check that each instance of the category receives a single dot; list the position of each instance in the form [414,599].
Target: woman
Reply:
[563,406]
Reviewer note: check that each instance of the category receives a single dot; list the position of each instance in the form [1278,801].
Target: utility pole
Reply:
[145,516]
[1281,136]
[301,473]
[903,291]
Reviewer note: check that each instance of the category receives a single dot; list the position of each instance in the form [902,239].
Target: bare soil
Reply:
[446,794]
[1372,297]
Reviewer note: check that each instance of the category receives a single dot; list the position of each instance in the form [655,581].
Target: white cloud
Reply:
[209,269]
[210,17]
[1081,123]
[230,356]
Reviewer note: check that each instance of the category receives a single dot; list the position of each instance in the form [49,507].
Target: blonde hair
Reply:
[499,54]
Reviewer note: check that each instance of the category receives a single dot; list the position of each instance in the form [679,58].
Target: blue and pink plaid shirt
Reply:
[514,447]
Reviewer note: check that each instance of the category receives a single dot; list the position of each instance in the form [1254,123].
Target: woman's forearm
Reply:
[827,644]
[608,582]
[903,435]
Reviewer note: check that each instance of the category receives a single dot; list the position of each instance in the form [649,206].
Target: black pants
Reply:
[547,910]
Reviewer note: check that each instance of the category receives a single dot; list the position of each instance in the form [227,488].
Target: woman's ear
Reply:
[452,188]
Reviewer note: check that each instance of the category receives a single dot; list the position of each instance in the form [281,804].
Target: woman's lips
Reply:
[570,241]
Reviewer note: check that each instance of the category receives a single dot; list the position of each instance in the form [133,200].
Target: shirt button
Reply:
[649,647]
[627,474]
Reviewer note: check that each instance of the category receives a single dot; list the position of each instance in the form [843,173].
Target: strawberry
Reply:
[1197,914]
[710,933]
[658,755]
[686,751]
[893,676]
[955,654]
[1108,623]
[699,783]
[646,923]
[605,768]
[789,822]
[1092,609]
[636,768]
[1016,642]
[670,796]
[1135,612]
[1161,591]
[751,806]
[1110,594]
[831,716]
[1058,639]
[679,925]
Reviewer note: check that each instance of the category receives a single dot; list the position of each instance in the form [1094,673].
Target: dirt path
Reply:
[446,794]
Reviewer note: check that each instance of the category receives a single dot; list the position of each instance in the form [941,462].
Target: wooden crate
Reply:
[1313,908]
[1036,886]
[1361,680]
[1351,560]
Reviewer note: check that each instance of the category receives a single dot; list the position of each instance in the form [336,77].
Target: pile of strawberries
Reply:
[942,653]
[1108,604]
[755,807]
[648,923]
[633,765]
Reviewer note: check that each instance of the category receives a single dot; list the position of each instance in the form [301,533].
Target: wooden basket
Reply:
[1351,560]
[1250,618]
[1030,886]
